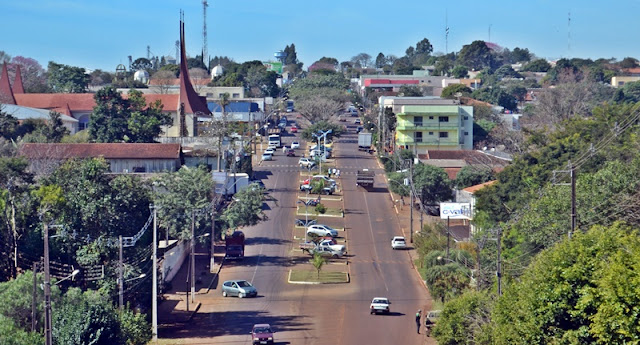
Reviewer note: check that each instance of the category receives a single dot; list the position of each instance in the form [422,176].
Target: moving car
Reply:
[262,333]
[398,242]
[270,151]
[306,162]
[272,147]
[322,230]
[267,156]
[291,153]
[240,288]
[295,145]
[379,305]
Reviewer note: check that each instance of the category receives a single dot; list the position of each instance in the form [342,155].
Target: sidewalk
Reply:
[173,307]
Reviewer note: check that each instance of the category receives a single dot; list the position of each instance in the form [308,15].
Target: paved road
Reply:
[318,314]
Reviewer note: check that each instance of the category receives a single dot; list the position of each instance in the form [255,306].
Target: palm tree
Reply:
[318,261]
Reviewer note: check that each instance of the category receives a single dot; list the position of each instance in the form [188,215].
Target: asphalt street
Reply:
[317,314]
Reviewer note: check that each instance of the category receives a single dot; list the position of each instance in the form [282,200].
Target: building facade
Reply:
[434,127]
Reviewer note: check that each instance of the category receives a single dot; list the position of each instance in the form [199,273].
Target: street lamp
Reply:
[154,284]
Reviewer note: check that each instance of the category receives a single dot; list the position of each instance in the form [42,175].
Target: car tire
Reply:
[371,312]
[335,256]
[224,294]
[240,295]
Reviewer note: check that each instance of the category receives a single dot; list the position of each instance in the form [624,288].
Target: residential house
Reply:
[619,81]
[123,158]
[237,111]
[466,195]
[25,113]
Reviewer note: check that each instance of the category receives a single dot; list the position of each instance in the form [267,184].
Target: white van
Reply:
[274,139]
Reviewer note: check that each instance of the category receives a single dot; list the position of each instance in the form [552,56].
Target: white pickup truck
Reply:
[380,305]
[331,244]
[325,251]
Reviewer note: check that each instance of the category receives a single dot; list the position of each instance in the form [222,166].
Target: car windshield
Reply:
[244,283]
[262,330]
[379,301]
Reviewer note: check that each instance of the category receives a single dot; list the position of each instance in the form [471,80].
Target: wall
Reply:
[173,259]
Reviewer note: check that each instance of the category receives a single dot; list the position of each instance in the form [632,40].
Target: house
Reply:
[123,158]
[237,111]
[25,113]
[619,81]
[452,161]
[434,127]
[466,195]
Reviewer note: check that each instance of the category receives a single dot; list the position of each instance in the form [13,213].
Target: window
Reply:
[466,133]
[443,119]
[417,120]
[444,134]
[418,137]
[235,95]
[430,117]
[466,118]
[430,133]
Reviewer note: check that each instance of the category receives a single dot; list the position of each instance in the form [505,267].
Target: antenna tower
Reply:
[446,34]
[569,35]
[178,52]
[148,52]
[204,34]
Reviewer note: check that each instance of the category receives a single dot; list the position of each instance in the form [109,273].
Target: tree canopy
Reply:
[69,79]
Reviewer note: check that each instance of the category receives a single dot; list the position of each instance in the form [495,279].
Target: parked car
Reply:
[291,153]
[327,190]
[294,129]
[306,162]
[327,181]
[359,129]
[262,333]
[322,230]
[379,305]
[325,251]
[267,156]
[295,145]
[357,121]
[240,288]
[305,222]
[398,242]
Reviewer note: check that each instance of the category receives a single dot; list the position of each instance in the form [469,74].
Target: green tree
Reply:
[446,279]
[471,175]
[54,130]
[424,47]
[109,119]
[628,62]
[452,90]
[336,130]
[433,181]
[142,64]
[63,78]
[292,55]
[410,91]
[465,320]
[539,65]
[520,55]
[380,60]
[506,71]
[8,124]
[477,56]
[145,120]
[12,335]
[460,71]
[247,210]
[318,261]
[179,193]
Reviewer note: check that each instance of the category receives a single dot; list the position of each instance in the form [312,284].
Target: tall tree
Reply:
[145,121]
[477,56]
[63,78]
[34,78]
[292,55]
[142,64]
[424,47]
[362,60]
[380,60]
[109,119]
[8,124]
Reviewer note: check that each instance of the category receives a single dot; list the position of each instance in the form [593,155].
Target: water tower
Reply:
[280,56]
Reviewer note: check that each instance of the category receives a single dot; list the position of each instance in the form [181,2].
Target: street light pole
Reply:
[412,202]
[47,289]
[120,276]
[154,284]
[193,258]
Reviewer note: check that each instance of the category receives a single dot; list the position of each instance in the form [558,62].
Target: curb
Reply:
[215,275]
[315,283]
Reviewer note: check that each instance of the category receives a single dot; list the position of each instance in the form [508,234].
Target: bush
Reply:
[320,208]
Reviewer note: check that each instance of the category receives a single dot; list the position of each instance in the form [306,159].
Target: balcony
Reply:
[429,142]
[426,126]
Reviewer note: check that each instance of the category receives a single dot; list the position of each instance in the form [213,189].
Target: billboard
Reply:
[275,66]
[455,210]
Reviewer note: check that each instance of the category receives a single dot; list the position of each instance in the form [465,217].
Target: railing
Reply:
[427,126]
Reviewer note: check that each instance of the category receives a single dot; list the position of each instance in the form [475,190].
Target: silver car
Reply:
[240,288]
[322,230]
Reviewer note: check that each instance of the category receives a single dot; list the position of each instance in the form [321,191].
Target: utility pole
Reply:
[47,289]
[412,201]
[154,284]
[213,230]
[499,268]
[193,258]
[448,236]
[33,298]
[573,200]
[120,276]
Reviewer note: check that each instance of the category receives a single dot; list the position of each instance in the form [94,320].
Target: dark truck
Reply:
[364,178]
[234,245]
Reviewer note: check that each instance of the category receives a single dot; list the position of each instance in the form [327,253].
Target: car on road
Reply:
[295,145]
[379,305]
[240,288]
[267,156]
[357,121]
[398,242]
[306,162]
[270,151]
[272,147]
[291,153]
[262,333]
[322,230]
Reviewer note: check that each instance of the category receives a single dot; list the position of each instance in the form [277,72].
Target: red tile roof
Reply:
[369,82]
[106,150]
[176,81]
[17,83]
[477,187]
[62,102]
[6,94]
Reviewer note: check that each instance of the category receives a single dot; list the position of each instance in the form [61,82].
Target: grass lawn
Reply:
[312,277]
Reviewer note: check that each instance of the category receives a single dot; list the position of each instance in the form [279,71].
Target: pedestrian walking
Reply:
[418,315]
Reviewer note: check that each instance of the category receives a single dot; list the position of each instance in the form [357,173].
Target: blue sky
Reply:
[101,34]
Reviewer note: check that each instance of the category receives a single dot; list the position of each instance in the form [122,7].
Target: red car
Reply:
[262,334]
[294,129]
[291,153]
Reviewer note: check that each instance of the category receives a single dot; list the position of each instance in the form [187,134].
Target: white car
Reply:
[398,242]
[295,145]
[379,305]
[272,147]
[270,151]
[324,178]
[267,156]
[306,162]
[322,230]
